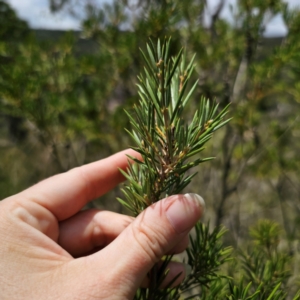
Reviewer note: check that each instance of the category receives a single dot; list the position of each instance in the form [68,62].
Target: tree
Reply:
[83,94]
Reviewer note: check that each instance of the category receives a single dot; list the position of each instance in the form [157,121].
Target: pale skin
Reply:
[52,249]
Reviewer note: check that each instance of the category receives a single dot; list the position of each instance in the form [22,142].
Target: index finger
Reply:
[66,194]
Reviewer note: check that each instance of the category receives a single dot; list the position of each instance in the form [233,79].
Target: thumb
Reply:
[129,258]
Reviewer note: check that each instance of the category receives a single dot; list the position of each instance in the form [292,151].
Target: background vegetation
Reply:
[62,97]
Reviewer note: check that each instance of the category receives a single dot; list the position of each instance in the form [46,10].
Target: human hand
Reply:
[51,249]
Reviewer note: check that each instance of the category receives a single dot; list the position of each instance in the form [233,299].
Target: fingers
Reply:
[91,230]
[176,273]
[151,235]
[65,194]
[181,246]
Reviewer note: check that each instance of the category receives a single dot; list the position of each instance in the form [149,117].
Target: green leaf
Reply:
[174,67]
[274,291]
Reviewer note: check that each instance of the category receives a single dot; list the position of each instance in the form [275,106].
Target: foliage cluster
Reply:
[62,101]
[162,137]
[167,144]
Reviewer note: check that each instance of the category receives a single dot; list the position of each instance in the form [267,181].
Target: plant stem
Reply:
[153,282]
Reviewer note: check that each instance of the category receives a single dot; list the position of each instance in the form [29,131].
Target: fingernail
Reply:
[185,212]
[198,198]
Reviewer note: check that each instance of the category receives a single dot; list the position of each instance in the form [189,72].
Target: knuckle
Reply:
[151,239]
[85,180]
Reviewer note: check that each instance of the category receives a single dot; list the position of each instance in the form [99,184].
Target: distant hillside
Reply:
[83,45]
[89,46]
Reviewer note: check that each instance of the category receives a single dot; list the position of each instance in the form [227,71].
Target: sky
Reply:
[38,15]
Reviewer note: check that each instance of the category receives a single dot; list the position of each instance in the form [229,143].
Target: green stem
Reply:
[153,282]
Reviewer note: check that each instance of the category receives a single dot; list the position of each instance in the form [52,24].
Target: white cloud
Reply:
[293,3]
[276,27]
[38,15]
